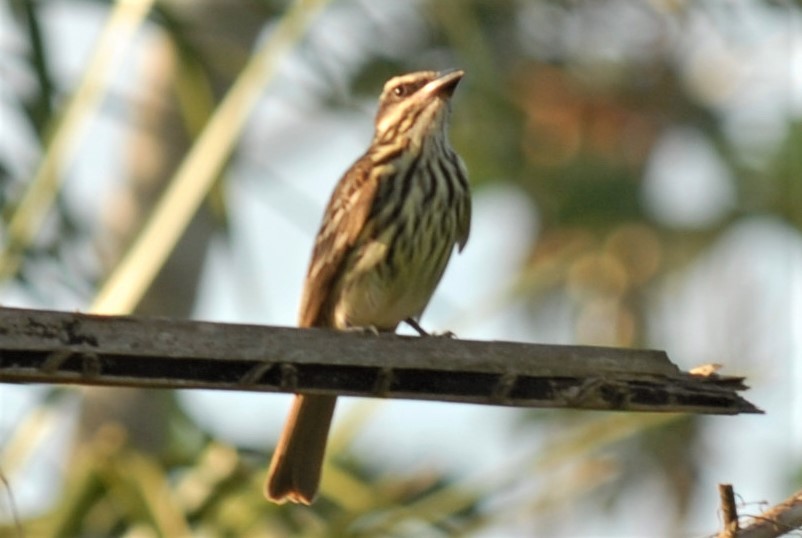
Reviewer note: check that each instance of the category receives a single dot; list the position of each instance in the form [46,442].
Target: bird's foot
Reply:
[422,332]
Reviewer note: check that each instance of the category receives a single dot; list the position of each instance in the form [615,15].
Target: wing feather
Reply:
[343,221]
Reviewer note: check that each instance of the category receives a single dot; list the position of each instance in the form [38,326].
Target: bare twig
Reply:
[58,347]
[729,511]
[776,521]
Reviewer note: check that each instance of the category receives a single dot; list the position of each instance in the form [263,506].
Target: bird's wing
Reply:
[464,208]
[464,221]
[344,219]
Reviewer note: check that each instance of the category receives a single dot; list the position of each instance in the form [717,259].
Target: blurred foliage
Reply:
[569,102]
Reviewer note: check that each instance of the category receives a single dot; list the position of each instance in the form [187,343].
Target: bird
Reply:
[387,234]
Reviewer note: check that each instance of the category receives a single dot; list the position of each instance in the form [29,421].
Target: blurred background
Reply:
[637,177]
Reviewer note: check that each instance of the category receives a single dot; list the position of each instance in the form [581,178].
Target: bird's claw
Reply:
[422,332]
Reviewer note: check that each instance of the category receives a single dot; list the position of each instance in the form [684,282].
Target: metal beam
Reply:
[39,346]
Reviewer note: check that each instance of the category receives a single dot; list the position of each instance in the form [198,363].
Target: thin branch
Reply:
[58,347]
[728,511]
[776,521]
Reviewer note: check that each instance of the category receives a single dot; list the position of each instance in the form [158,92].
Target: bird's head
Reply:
[416,105]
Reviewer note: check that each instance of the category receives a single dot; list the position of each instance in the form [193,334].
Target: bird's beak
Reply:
[444,84]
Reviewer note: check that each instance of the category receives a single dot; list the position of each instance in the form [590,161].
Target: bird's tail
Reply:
[295,469]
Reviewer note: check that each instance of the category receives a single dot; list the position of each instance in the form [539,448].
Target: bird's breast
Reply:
[403,251]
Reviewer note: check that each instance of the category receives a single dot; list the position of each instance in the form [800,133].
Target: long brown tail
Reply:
[294,473]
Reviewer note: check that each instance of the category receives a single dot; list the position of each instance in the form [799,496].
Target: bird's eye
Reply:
[405,89]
